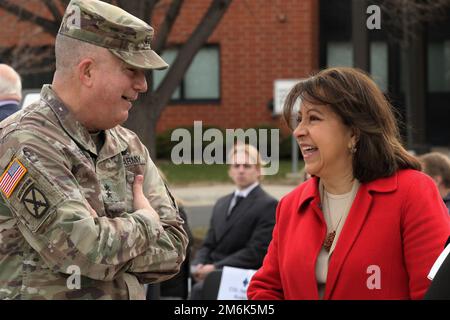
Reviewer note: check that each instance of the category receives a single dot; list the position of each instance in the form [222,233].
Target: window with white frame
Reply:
[340,53]
[439,66]
[202,79]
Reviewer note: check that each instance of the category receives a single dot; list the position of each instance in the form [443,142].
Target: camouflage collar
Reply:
[72,127]
[112,146]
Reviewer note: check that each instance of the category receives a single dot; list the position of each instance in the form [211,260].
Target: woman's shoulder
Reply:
[411,176]
[403,177]
[405,181]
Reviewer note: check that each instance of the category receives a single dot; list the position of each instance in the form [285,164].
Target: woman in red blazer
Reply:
[369,224]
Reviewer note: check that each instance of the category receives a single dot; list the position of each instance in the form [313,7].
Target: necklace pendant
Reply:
[329,241]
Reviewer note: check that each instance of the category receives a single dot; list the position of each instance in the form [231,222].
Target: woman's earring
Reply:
[353,149]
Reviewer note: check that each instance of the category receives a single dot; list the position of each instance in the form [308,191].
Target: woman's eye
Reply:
[313,118]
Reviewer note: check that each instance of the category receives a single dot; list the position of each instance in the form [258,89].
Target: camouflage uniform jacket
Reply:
[72,212]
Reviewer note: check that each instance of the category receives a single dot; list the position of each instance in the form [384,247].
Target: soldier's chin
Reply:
[123,118]
[116,123]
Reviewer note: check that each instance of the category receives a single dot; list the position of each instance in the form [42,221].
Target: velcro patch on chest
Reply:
[11,177]
[132,160]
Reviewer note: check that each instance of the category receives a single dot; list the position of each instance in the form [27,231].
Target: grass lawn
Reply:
[185,174]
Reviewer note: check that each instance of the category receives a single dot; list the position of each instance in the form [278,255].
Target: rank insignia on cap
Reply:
[35,202]
[11,177]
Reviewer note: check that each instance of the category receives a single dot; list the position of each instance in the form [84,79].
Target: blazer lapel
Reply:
[222,211]
[239,212]
[355,221]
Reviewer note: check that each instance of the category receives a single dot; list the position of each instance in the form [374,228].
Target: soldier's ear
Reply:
[84,71]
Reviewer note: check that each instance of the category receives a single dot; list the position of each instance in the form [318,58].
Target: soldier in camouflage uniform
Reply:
[85,214]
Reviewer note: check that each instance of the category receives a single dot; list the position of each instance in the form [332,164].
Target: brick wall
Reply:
[260,41]
[23,33]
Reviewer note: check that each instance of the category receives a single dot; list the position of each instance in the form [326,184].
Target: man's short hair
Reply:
[252,154]
[436,164]
[10,83]
[69,52]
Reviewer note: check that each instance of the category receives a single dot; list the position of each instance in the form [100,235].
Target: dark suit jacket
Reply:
[240,241]
[7,110]
[440,287]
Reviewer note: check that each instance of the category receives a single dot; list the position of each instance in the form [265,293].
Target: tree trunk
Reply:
[142,121]
[144,118]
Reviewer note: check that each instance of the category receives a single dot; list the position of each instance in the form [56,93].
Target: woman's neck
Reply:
[338,184]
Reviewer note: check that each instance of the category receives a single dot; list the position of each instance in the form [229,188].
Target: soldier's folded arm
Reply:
[154,265]
[58,222]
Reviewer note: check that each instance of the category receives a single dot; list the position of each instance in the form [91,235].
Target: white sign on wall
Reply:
[281,90]
[234,283]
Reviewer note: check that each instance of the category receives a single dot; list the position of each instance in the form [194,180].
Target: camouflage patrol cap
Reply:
[108,26]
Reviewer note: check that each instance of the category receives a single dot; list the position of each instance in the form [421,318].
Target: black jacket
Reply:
[7,110]
[240,240]
[440,287]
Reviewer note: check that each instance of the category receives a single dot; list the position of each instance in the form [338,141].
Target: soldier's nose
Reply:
[140,83]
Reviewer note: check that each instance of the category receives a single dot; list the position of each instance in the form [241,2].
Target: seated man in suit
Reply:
[241,223]
[10,91]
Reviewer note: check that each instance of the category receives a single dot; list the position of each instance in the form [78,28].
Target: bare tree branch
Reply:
[143,119]
[148,10]
[187,52]
[25,15]
[120,3]
[404,16]
[166,27]
[31,60]
[53,8]
[64,3]
[136,8]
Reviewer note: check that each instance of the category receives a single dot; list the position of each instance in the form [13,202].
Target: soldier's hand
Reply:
[139,199]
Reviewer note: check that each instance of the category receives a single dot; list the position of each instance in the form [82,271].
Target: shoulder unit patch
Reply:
[35,202]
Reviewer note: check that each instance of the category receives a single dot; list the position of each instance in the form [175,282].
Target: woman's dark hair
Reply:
[361,105]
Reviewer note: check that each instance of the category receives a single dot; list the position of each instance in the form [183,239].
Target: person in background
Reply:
[241,223]
[368,224]
[437,166]
[10,91]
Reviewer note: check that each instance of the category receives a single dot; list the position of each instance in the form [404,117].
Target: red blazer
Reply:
[394,232]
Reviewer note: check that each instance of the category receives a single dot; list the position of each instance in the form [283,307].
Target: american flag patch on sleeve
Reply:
[11,177]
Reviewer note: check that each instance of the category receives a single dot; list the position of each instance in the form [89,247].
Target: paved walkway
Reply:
[207,195]
[199,200]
